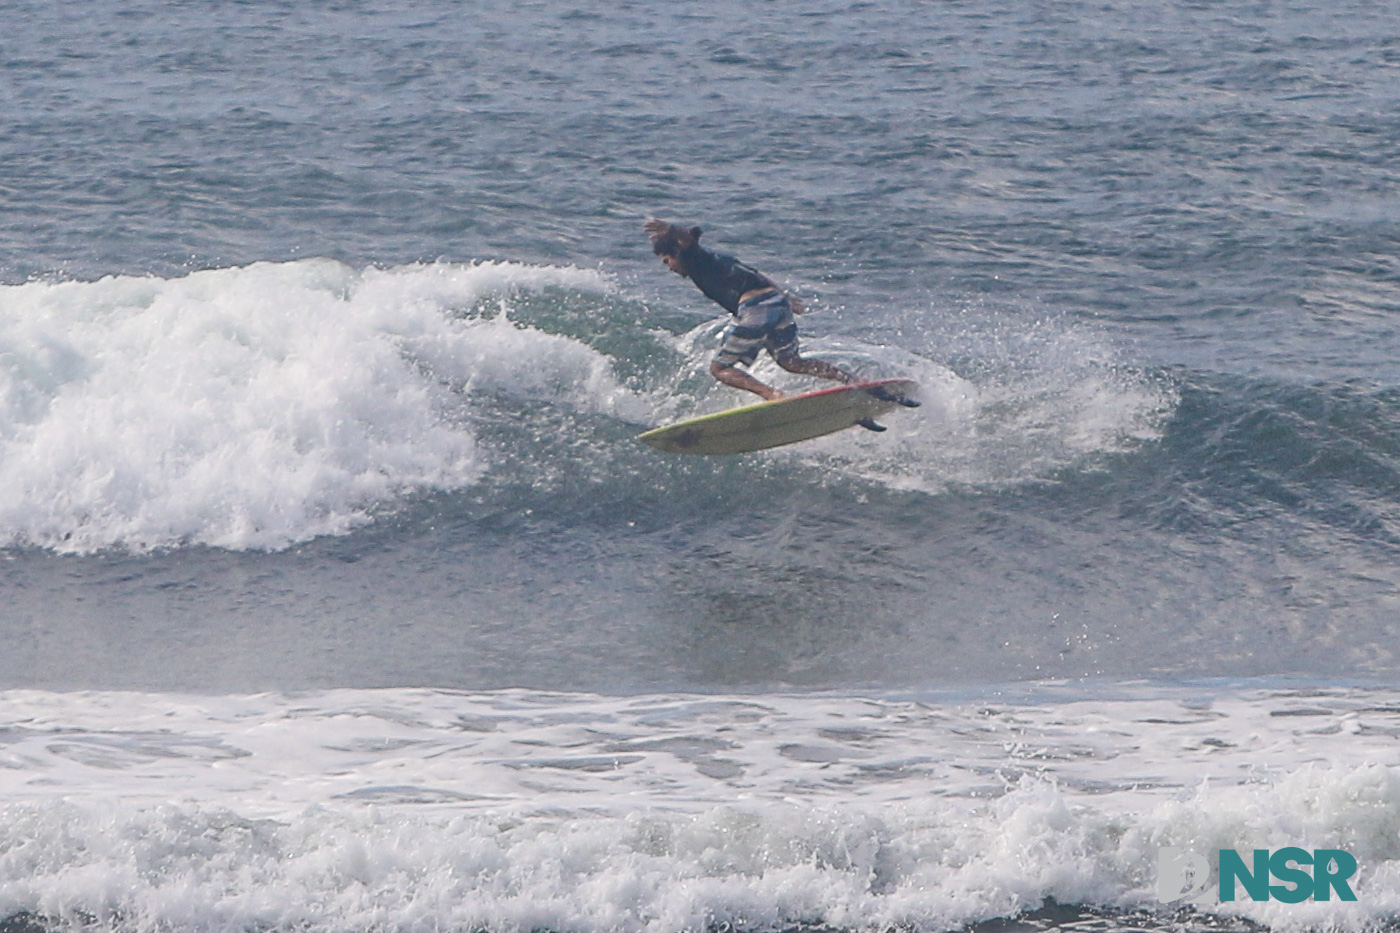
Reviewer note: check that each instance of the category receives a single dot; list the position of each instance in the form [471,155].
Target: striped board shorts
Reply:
[764,322]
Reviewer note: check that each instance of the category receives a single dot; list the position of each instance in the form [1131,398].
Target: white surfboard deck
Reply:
[785,421]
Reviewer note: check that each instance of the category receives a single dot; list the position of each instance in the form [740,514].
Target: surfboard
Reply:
[785,421]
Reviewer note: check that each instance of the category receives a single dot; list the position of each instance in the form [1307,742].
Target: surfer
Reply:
[763,312]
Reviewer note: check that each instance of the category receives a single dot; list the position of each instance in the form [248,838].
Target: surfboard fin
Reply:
[870,424]
[885,395]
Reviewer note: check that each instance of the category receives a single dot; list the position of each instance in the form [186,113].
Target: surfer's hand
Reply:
[796,304]
[659,228]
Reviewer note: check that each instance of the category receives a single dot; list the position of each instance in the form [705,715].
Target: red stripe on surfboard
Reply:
[843,388]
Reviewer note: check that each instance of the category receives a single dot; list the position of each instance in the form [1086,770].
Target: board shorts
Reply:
[764,322]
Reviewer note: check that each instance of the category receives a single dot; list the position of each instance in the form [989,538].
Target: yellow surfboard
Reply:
[786,421]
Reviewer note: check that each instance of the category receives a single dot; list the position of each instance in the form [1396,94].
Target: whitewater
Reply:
[414,810]
[253,407]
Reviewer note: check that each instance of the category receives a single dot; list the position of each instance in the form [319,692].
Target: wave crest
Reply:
[253,407]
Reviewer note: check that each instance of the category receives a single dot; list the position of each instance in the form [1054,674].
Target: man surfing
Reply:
[763,312]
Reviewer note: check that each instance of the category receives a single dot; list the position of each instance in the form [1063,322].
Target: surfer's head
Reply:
[673,262]
[669,242]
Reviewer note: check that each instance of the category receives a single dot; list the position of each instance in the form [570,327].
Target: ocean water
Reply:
[336,595]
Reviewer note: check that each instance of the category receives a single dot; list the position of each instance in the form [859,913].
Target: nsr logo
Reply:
[1185,875]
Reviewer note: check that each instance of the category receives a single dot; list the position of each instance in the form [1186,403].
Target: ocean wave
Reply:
[260,406]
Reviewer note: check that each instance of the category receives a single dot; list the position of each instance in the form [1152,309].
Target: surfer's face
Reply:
[674,264]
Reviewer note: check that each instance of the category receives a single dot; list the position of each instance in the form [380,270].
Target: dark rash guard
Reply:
[721,277]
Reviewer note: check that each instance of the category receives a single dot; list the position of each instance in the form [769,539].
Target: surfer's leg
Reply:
[788,358]
[741,345]
[810,366]
[732,375]
[781,342]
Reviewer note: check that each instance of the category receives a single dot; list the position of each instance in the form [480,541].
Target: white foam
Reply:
[259,406]
[424,810]
[1049,395]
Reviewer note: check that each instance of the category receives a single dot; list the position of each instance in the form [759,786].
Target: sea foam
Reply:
[259,406]
[421,810]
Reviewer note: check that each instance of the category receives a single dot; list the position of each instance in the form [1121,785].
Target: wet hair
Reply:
[669,243]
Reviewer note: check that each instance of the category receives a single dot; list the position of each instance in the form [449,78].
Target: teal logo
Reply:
[1290,875]
[1330,870]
